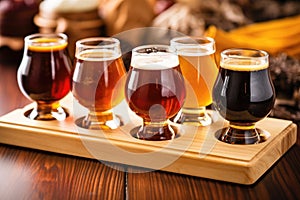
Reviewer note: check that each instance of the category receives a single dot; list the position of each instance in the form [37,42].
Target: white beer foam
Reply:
[155,61]
[98,55]
[69,5]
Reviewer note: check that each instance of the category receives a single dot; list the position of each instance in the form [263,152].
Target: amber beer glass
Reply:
[197,62]
[98,81]
[44,75]
[243,94]
[155,90]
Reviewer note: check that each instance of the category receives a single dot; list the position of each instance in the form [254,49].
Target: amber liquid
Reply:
[200,73]
[155,95]
[98,80]
[45,73]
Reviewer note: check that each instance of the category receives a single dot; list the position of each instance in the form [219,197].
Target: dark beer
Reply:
[243,95]
[97,79]
[45,73]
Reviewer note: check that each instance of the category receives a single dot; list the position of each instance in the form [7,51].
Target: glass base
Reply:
[47,112]
[99,121]
[155,132]
[193,116]
[239,136]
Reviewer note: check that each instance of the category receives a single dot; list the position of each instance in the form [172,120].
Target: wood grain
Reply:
[27,174]
[280,182]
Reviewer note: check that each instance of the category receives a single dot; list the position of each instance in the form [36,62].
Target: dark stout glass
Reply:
[44,74]
[155,90]
[243,94]
[253,101]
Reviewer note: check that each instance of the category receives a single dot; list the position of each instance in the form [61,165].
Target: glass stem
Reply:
[101,120]
[156,131]
[240,134]
[47,111]
[46,108]
[101,117]
[193,116]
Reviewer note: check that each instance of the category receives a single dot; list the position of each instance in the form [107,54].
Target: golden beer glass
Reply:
[44,75]
[155,90]
[197,62]
[98,81]
[243,94]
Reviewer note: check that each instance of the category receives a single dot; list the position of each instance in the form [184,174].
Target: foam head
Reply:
[244,60]
[98,55]
[46,42]
[154,58]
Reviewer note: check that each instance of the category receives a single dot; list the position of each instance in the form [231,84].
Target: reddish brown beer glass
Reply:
[44,75]
[98,81]
[155,90]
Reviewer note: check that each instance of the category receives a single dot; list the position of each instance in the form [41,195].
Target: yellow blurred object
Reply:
[276,36]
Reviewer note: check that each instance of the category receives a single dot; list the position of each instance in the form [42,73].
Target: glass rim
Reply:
[244,59]
[193,39]
[190,45]
[45,35]
[115,42]
[236,53]
[162,46]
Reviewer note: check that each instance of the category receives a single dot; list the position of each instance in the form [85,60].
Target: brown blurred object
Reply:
[76,25]
[226,15]
[266,10]
[285,72]
[191,17]
[16,21]
[16,17]
[122,15]
[181,18]
[160,6]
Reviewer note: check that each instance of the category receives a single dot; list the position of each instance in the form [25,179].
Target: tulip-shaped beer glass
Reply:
[98,81]
[243,94]
[44,75]
[197,62]
[155,90]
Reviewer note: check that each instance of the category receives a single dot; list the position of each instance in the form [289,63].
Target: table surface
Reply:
[32,174]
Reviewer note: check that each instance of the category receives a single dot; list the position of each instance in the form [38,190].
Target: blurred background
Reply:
[271,25]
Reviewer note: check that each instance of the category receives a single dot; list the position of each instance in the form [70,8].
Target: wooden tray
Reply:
[195,152]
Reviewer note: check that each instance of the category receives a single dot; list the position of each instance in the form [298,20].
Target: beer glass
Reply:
[197,62]
[98,81]
[155,90]
[44,75]
[243,94]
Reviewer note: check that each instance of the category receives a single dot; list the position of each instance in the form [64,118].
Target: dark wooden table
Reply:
[32,174]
